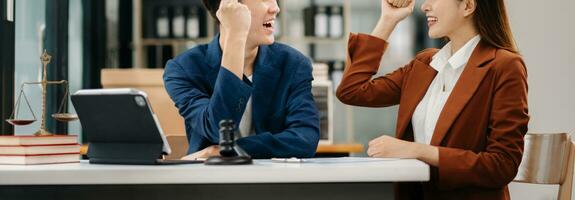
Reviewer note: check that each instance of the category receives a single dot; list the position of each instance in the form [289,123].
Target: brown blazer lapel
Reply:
[413,93]
[466,86]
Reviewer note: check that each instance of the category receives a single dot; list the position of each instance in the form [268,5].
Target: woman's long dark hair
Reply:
[493,25]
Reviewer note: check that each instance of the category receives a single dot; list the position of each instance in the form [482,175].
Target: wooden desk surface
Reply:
[322,148]
[340,148]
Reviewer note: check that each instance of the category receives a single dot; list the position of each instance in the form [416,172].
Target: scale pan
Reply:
[65,117]
[20,122]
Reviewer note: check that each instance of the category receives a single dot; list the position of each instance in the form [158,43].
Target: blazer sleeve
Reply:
[357,86]
[301,135]
[200,109]
[496,166]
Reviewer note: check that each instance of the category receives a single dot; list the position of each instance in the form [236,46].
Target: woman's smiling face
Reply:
[444,16]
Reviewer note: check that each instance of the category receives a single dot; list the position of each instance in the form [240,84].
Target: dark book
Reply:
[309,20]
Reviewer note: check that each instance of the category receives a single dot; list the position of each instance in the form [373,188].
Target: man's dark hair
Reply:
[212,6]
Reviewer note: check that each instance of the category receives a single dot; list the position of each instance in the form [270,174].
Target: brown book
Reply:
[39,149]
[37,140]
[40,159]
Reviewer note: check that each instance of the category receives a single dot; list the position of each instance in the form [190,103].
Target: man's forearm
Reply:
[234,54]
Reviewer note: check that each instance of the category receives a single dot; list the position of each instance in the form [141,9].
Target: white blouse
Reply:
[449,68]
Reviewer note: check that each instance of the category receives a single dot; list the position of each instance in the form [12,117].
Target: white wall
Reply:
[545,33]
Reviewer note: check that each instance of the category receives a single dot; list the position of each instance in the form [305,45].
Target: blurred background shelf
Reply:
[159,42]
[149,16]
[313,40]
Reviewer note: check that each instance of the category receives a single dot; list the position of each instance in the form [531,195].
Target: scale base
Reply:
[43,132]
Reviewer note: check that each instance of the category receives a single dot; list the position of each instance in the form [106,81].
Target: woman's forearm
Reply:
[426,153]
[384,28]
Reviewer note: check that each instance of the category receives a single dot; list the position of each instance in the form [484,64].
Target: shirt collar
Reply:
[457,60]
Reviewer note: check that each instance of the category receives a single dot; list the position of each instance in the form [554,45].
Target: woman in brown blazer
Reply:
[462,109]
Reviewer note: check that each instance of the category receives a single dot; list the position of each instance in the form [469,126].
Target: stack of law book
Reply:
[34,150]
[320,72]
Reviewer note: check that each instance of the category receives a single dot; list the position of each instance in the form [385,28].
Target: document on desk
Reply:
[347,160]
[333,160]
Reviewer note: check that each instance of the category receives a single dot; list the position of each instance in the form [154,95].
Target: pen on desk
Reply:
[288,160]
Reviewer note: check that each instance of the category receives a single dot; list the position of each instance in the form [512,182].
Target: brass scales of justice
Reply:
[59,116]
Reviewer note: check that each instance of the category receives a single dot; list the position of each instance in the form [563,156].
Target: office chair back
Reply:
[548,159]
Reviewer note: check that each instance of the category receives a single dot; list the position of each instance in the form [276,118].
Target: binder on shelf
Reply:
[321,21]
[324,21]
[178,23]
[174,19]
[162,23]
[336,21]
[193,23]
[309,21]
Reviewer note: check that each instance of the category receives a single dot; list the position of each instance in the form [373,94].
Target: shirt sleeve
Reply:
[200,109]
[301,136]
[358,87]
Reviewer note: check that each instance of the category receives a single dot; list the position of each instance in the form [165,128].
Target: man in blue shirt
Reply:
[242,75]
